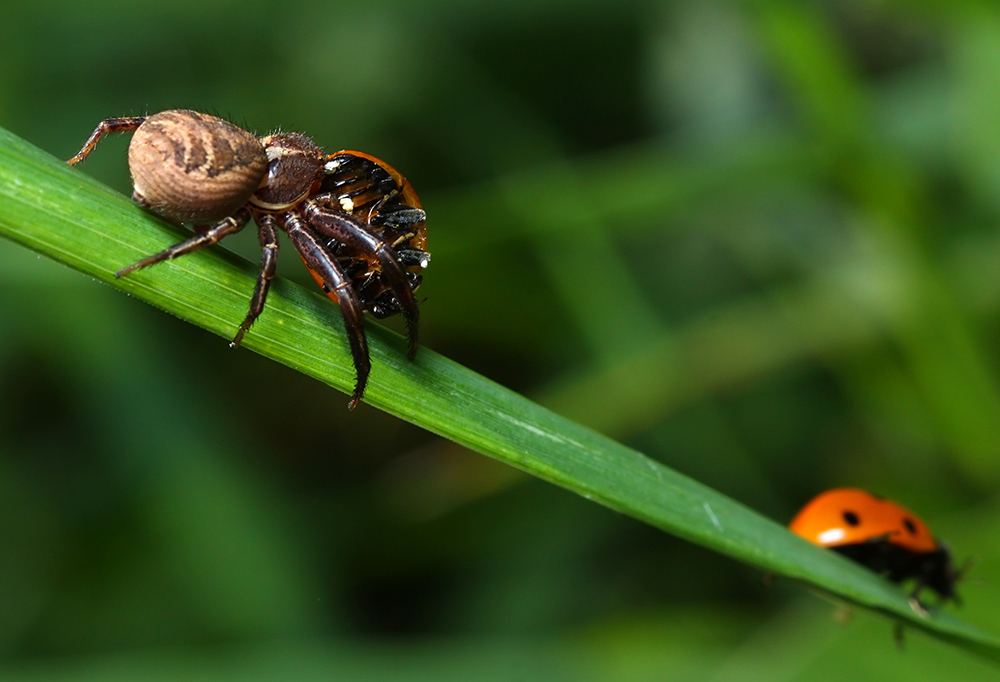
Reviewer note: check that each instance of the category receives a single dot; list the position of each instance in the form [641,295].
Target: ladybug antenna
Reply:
[960,574]
[966,567]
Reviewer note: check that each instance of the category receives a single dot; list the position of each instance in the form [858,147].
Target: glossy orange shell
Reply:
[823,521]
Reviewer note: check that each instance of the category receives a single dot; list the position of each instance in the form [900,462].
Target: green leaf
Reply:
[62,213]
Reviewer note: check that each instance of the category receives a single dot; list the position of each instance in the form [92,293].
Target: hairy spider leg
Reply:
[106,127]
[349,230]
[200,240]
[334,281]
[267,233]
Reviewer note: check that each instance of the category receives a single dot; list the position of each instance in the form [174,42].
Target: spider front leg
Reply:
[351,231]
[327,271]
[267,233]
[213,235]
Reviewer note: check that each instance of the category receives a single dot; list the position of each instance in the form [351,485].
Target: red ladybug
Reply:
[879,534]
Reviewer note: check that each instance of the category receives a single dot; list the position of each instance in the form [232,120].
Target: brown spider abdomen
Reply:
[193,167]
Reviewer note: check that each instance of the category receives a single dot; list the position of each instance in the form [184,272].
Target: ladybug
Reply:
[880,534]
[378,195]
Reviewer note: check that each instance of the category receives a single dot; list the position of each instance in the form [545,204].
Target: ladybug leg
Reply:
[335,283]
[918,606]
[267,233]
[200,240]
[401,219]
[374,210]
[350,231]
[915,602]
[106,127]
[898,634]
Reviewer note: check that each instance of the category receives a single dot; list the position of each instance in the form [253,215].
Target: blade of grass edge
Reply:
[61,213]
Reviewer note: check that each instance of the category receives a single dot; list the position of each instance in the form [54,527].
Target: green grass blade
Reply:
[60,212]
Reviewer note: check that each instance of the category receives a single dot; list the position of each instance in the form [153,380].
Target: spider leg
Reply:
[349,230]
[200,240]
[267,233]
[335,282]
[105,127]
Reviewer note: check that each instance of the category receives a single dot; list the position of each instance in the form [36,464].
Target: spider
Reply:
[355,221]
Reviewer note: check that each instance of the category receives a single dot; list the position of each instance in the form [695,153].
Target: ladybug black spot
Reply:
[851,518]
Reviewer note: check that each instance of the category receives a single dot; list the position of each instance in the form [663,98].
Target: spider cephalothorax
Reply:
[355,221]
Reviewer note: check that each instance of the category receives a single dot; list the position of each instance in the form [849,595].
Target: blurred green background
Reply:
[756,240]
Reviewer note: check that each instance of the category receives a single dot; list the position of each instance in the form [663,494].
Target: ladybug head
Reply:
[939,573]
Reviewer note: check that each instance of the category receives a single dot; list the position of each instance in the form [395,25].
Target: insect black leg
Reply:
[106,127]
[350,231]
[226,227]
[267,233]
[335,283]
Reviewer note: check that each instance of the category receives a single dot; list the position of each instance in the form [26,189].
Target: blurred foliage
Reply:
[755,239]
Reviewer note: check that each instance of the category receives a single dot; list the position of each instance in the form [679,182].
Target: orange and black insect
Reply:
[880,534]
